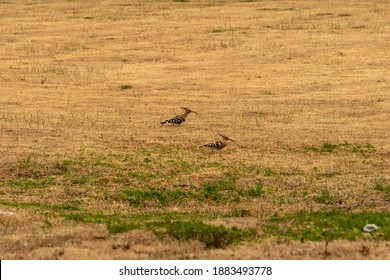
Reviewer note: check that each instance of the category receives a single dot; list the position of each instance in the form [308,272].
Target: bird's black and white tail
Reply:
[219,144]
[175,120]
[216,145]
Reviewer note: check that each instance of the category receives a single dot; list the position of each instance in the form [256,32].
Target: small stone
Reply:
[370,227]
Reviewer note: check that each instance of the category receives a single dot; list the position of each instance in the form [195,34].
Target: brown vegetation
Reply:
[301,86]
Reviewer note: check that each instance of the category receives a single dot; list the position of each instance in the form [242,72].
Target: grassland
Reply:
[88,172]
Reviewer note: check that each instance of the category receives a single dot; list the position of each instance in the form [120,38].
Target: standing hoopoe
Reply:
[219,144]
[179,118]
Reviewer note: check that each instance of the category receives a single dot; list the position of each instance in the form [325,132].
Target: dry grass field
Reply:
[88,172]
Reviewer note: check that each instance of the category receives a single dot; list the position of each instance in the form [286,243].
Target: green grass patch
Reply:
[221,191]
[268,172]
[119,226]
[238,213]
[218,191]
[157,196]
[143,176]
[61,167]
[30,183]
[324,197]
[114,223]
[80,180]
[229,29]
[255,191]
[169,223]
[344,15]
[28,167]
[345,147]
[332,225]
[326,174]
[212,191]
[325,148]
[383,186]
[70,206]
[154,221]
[274,9]
[324,14]
[211,236]
[219,30]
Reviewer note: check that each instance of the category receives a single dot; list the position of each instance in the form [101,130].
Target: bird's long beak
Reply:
[187,109]
[226,137]
[235,142]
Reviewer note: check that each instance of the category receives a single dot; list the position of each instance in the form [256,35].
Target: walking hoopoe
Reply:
[219,144]
[179,119]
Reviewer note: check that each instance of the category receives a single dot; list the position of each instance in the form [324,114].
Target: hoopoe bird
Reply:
[179,119]
[219,144]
